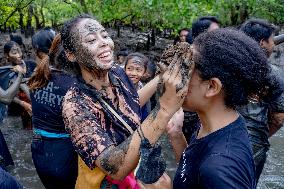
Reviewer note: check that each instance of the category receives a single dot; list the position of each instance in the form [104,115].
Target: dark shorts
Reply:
[56,162]
[4,152]
[259,157]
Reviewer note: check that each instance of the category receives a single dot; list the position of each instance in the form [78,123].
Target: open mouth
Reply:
[133,78]
[105,56]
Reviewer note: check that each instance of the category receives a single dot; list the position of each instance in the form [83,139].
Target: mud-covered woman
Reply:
[105,144]
[21,102]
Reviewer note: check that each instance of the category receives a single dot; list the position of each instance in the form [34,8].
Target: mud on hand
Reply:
[180,54]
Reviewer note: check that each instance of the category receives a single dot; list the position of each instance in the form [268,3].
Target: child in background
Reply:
[135,68]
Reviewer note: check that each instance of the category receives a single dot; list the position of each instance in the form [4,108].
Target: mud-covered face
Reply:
[94,47]
[134,69]
[15,55]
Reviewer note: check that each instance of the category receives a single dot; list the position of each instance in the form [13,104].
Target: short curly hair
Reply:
[236,60]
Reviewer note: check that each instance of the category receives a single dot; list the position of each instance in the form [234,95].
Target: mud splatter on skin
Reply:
[92,27]
[86,46]
[181,53]
[112,159]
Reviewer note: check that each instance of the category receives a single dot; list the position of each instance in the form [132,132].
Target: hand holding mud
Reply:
[174,84]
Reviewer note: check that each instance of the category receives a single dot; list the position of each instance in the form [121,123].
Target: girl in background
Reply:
[135,68]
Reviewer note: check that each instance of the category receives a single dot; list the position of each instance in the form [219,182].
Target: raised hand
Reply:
[175,88]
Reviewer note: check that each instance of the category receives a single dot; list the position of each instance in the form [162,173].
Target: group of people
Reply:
[94,126]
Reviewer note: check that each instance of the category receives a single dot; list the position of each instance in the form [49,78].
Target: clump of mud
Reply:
[181,53]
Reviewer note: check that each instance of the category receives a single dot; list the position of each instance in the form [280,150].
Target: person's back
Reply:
[46,102]
[259,110]
[51,144]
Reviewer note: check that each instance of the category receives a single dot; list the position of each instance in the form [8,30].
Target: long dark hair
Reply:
[57,58]
[67,33]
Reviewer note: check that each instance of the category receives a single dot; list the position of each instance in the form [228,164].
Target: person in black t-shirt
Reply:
[219,154]
[52,151]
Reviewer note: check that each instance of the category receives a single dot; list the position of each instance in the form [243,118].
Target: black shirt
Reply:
[47,103]
[221,160]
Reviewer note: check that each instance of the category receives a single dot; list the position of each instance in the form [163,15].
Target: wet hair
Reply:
[8,46]
[18,39]
[122,52]
[142,57]
[67,32]
[236,60]
[42,40]
[57,58]
[258,29]
[202,24]
[152,68]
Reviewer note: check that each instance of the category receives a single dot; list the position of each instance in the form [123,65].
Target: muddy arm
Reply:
[7,96]
[26,90]
[276,121]
[119,161]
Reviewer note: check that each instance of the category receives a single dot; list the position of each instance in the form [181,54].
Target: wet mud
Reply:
[19,142]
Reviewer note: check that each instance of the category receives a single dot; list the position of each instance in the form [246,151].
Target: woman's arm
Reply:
[148,90]
[25,105]
[7,96]
[24,87]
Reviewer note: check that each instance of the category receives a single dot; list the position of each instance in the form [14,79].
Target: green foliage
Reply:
[159,14]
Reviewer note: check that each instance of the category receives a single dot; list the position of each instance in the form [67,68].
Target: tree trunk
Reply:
[153,37]
[29,21]
[148,42]
[42,16]
[84,6]
[21,20]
